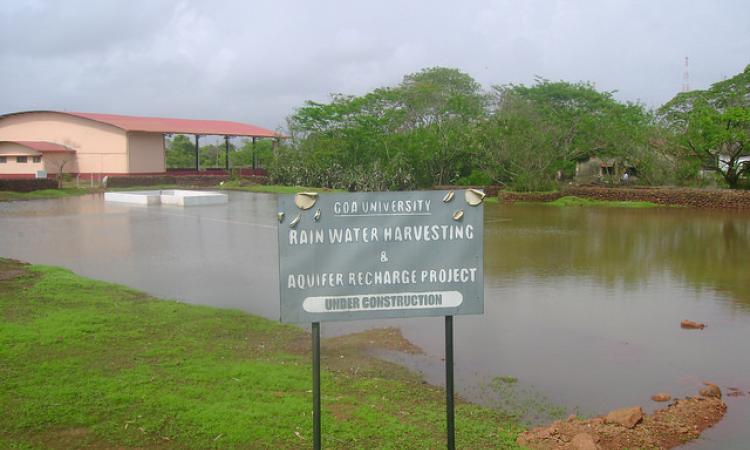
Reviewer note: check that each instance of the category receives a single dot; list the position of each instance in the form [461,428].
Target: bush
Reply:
[27,184]
[531,182]
[476,178]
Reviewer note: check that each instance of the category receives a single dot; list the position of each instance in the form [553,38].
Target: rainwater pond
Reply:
[582,305]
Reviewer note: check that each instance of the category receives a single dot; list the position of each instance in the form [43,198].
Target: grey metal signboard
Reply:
[380,255]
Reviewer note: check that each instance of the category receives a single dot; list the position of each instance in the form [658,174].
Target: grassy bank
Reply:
[238,185]
[572,201]
[6,196]
[92,364]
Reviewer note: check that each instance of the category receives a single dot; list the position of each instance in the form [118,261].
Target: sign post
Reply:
[449,408]
[316,384]
[381,255]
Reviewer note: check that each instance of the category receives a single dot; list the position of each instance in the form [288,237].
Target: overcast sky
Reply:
[256,62]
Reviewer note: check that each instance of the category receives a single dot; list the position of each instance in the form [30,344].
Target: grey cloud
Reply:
[257,61]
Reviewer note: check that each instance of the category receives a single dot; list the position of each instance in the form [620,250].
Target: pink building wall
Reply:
[146,153]
[99,148]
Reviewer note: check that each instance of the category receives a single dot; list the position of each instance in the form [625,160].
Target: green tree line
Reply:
[438,126]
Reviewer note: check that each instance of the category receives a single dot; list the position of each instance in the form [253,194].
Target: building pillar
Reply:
[226,146]
[197,154]
[254,138]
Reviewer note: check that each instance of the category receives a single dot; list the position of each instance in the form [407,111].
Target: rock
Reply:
[583,441]
[548,432]
[711,390]
[597,421]
[690,325]
[661,397]
[627,417]
[735,393]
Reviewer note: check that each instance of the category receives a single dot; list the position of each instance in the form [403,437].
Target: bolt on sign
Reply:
[348,256]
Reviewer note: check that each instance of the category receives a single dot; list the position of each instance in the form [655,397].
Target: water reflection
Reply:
[705,250]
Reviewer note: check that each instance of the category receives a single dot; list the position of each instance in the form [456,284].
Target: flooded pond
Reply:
[582,305]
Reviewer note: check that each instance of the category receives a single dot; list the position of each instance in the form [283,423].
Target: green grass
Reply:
[154,187]
[511,191]
[43,193]
[90,364]
[570,200]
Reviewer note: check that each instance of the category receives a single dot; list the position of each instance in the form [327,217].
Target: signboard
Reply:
[380,255]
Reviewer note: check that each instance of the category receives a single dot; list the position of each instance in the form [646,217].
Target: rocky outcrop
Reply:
[673,426]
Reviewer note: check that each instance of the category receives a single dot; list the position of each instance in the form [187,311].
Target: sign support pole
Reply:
[450,413]
[316,384]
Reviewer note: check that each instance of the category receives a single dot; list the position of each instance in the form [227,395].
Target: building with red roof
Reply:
[35,143]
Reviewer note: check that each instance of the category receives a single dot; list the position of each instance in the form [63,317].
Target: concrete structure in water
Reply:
[168,197]
[92,144]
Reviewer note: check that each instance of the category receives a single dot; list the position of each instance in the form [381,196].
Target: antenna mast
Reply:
[686,78]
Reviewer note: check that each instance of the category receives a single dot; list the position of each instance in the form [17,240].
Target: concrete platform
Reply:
[168,197]
[136,197]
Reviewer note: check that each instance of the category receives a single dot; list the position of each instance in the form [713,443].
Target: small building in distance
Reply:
[21,159]
[94,145]
[594,169]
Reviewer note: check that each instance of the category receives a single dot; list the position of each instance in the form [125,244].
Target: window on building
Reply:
[3,159]
[37,159]
[22,159]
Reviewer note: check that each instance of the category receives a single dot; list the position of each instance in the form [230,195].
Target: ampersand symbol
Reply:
[383,257]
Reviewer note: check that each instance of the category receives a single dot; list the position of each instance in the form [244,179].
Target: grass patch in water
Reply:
[43,194]
[87,364]
[505,379]
[525,403]
[570,200]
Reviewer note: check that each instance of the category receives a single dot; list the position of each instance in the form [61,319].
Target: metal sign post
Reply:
[316,384]
[449,407]
[381,255]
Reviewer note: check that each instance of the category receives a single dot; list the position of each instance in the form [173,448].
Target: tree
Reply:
[536,132]
[180,152]
[443,108]
[243,155]
[418,133]
[712,127]
[518,143]
[58,162]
